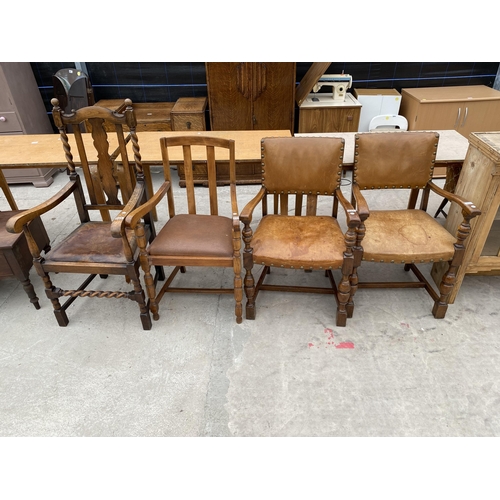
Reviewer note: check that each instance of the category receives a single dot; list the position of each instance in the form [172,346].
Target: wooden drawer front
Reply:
[317,120]
[9,122]
[186,121]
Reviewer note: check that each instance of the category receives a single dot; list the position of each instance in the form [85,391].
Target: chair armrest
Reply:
[361,204]
[15,224]
[467,206]
[247,212]
[352,217]
[118,224]
[132,218]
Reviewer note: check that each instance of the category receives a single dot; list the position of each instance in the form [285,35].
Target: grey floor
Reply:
[393,371]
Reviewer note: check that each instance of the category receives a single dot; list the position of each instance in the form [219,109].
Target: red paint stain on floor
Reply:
[330,341]
[345,345]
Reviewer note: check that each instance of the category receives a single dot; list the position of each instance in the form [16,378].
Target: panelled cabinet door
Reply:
[251,96]
[228,95]
[274,96]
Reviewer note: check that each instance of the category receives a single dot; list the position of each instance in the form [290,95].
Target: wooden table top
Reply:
[45,150]
[452,146]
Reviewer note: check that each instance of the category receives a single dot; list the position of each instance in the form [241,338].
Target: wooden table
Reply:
[46,151]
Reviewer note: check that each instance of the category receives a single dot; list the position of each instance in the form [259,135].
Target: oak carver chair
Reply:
[193,238]
[304,168]
[96,247]
[405,160]
[15,257]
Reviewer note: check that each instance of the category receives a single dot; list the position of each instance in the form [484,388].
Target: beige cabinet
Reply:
[22,112]
[466,109]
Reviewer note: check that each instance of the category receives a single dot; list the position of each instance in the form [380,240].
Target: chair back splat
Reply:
[297,173]
[113,186]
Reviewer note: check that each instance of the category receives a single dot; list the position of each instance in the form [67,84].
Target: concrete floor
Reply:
[198,373]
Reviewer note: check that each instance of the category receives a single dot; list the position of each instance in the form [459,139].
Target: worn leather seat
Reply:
[298,242]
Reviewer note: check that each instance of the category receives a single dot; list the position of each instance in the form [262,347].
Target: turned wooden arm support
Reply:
[361,204]
[132,218]
[352,217]
[468,208]
[247,212]
[15,224]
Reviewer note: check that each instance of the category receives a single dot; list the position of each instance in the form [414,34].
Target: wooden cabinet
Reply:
[22,112]
[479,182]
[251,96]
[325,115]
[188,113]
[466,109]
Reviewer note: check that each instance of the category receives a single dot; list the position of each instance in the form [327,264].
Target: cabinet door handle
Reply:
[465,116]
[457,121]
[3,119]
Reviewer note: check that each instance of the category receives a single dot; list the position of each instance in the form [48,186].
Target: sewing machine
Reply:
[338,83]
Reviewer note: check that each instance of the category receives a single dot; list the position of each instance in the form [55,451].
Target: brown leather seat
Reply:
[194,239]
[405,160]
[304,170]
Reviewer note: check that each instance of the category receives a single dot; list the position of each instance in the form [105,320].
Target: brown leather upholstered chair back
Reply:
[400,160]
[291,171]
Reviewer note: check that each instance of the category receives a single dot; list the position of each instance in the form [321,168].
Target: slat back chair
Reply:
[307,169]
[405,160]
[15,257]
[96,246]
[195,238]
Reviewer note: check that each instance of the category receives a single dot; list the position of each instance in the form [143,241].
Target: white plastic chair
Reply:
[388,122]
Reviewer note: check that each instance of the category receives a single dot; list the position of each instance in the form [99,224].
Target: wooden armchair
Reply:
[405,160]
[103,246]
[15,257]
[300,167]
[193,238]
